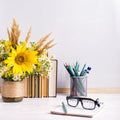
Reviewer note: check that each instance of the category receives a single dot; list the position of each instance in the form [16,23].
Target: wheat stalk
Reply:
[42,41]
[14,34]
[42,44]
[28,35]
[47,46]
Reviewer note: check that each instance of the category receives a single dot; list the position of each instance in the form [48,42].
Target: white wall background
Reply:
[86,30]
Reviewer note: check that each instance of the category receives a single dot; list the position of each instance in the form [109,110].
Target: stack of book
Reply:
[37,86]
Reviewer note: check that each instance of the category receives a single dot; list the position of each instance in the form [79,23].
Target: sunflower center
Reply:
[19,59]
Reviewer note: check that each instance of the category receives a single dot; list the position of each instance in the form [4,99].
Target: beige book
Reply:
[36,86]
[40,86]
[44,86]
[53,78]
[30,86]
[25,87]
[33,86]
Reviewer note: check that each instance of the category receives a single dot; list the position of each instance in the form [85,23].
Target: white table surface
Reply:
[39,108]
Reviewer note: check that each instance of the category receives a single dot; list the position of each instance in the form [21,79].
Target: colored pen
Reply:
[69,69]
[64,107]
[82,71]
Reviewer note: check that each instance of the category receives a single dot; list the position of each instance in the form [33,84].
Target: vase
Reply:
[12,91]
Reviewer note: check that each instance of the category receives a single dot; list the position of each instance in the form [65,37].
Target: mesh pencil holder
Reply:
[78,86]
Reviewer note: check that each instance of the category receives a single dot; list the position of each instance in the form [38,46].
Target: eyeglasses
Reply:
[86,103]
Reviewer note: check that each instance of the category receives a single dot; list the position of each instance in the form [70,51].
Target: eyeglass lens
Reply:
[88,104]
[73,102]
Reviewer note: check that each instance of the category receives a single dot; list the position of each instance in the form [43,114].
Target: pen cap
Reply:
[89,68]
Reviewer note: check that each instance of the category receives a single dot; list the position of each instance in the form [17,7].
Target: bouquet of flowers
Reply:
[17,60]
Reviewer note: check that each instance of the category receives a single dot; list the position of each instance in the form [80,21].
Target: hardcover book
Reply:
[53,78]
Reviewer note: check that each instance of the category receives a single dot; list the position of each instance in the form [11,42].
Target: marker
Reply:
[64,108]
[87,71]
[82,71]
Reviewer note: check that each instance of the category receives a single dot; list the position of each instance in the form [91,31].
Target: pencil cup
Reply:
[78,86]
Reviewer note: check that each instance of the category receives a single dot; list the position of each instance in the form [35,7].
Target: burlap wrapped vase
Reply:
[12,91]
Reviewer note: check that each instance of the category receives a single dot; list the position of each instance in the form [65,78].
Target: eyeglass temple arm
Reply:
[97,102]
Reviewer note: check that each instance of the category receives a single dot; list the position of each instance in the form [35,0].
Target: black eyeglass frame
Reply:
[80,99]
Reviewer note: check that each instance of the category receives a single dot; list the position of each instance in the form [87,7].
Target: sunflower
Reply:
[21,59]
